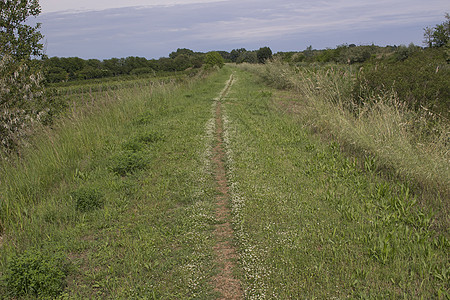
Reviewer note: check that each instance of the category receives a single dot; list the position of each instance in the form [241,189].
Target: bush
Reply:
[87,199]
[421,80]
[34,274]
[213,58]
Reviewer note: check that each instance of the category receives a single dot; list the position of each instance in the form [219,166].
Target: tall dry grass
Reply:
[412,145]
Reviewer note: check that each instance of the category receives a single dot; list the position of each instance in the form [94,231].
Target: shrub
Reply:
[213,58]
[87,199]
[421,80]
[34,274]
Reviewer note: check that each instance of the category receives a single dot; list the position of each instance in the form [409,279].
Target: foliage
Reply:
[419,78]
[127,162]
[184,51]
[16,38]
[410,144]
[324,224]
[235,53]
[23,100]
[59,69]
[351,55]
[87,199]
[35,274]
[155,237]
[247,57]
[213,58]
[439,35]
[264,54]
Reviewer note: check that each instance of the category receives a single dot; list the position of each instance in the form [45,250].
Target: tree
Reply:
[213,58]
[309,52]
[248,57]
[181,51]
[16,38]
[439,35]
[235,53]
[182,62]
[428,36]
[22,96]
[263,54]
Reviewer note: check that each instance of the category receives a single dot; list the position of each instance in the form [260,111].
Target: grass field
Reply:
[119,200]
[310,223]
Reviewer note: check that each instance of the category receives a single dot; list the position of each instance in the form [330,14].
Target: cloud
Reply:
[88,5]
[285,24]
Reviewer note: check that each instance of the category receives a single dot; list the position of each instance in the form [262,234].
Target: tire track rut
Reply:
[225,283]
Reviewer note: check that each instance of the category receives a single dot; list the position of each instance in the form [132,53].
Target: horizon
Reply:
[107,29]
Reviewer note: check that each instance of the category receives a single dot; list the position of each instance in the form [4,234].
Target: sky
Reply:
[153,28]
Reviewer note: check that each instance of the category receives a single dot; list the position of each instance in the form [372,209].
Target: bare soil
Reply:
[225,283]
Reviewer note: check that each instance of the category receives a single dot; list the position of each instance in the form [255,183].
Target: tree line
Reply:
[58,69]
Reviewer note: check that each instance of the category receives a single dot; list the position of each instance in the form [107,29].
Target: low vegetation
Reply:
[407,142]
[336,171]
[116,199]
[313,222]
[121,190]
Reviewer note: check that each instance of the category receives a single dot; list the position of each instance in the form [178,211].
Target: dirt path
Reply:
[224,282]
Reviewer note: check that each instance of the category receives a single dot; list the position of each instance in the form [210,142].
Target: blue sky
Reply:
[154,28]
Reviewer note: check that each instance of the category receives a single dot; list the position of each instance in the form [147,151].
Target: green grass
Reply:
[120,189]
[311,224]
[117,200]
[408,145]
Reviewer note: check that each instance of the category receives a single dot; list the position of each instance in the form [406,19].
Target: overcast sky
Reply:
[154,28]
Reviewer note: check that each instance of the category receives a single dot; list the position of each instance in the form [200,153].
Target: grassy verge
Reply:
[120,192]
[311,224]
[398,142]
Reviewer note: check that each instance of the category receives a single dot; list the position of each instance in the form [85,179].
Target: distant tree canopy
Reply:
[214,58]
[439,35]
[235,53]
[264,54]
[75,68]
[248,57]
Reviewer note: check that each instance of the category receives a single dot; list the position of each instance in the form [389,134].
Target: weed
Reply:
[127,162]
[36,274]
[149,137]
[87,199]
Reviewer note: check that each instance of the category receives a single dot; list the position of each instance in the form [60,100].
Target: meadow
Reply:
[118,197]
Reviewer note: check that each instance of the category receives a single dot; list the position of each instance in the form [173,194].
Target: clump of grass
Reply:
[35,274]
[127,162]
[138,142]
[87,199]
[149,137]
